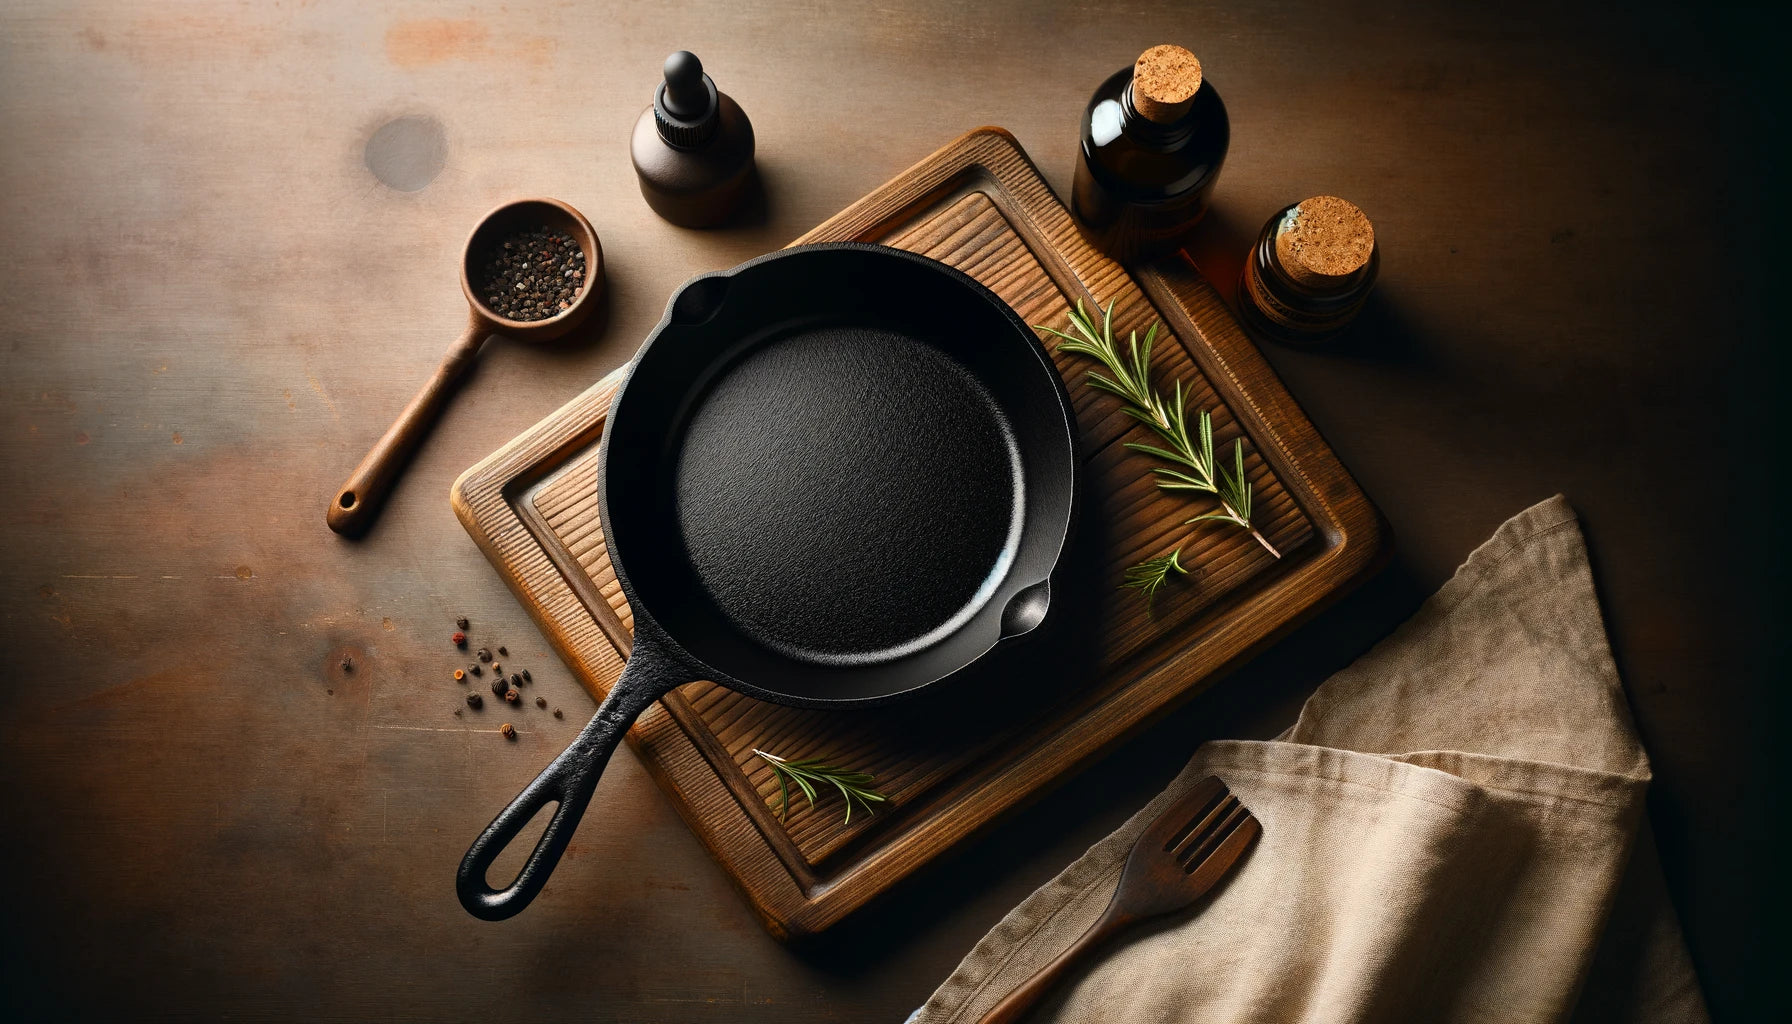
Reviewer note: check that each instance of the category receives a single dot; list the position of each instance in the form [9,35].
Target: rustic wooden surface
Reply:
[951,764]
[212,304]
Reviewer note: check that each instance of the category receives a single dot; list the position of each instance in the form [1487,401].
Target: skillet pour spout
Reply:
[835,476]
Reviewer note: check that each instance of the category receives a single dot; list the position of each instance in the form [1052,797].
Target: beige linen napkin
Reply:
[1446,836]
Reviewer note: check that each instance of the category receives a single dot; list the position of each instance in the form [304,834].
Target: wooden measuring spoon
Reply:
[358,501]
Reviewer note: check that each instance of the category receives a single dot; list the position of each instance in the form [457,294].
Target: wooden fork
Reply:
[1178,857]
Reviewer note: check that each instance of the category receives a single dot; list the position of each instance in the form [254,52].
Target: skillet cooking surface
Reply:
[848,493]
[837,473]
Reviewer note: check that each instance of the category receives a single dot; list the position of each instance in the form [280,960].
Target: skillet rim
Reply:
[647,626]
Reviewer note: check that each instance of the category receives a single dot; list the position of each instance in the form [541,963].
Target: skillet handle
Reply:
[570,780]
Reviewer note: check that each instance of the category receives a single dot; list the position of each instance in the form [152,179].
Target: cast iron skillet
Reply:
[836,475]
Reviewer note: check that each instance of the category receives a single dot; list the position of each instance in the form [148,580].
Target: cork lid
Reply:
[1164,82]
[1324,240]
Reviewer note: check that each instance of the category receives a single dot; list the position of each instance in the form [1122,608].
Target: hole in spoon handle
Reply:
[359,498]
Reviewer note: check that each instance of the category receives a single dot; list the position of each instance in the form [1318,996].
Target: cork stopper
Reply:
[1324,240]
[1164,82]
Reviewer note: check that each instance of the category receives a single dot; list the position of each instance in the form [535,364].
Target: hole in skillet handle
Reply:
[509,864]
[569,781]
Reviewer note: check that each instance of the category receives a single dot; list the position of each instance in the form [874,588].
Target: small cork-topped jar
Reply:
[1153,139]
[1311,270]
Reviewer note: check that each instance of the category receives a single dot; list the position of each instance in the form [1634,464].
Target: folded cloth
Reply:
[1447,836]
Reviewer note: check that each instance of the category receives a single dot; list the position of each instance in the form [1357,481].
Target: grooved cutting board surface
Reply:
[952,763]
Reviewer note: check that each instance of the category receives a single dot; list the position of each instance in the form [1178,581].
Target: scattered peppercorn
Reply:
[503,651]
[485,654]
[557,713]
[460,675]
[508,730]
[457,712]
[475,669]
[475,701]
[498,686]
[497,668]
[461,622]
[460,639]
[515,679]
[348,663]
[527,678]
[512,696]
[541,702]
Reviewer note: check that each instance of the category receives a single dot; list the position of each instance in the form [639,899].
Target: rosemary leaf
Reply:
[1167,456]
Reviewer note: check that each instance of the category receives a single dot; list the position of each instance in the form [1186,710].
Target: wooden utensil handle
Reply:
[1022,999]
[358,500]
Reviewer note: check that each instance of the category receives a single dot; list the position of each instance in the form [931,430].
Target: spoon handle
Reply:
[358,500]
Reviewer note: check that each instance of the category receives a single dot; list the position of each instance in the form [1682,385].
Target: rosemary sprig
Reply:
[854,787]
[1150,574]
[1194,466]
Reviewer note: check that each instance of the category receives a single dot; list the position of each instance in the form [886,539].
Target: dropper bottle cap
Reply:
[685,107]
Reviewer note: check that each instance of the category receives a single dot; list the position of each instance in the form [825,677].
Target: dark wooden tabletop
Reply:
[222,280]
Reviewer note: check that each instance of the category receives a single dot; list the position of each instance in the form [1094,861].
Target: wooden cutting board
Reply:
[952,764]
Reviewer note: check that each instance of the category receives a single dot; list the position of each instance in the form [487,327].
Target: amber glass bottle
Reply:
[1310,271]
[1153,139]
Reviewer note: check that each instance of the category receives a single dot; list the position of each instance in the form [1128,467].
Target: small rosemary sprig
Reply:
[1194,466]
[854,787]
[1150,574]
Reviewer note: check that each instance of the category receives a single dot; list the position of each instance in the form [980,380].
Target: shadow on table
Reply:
[1381,333]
